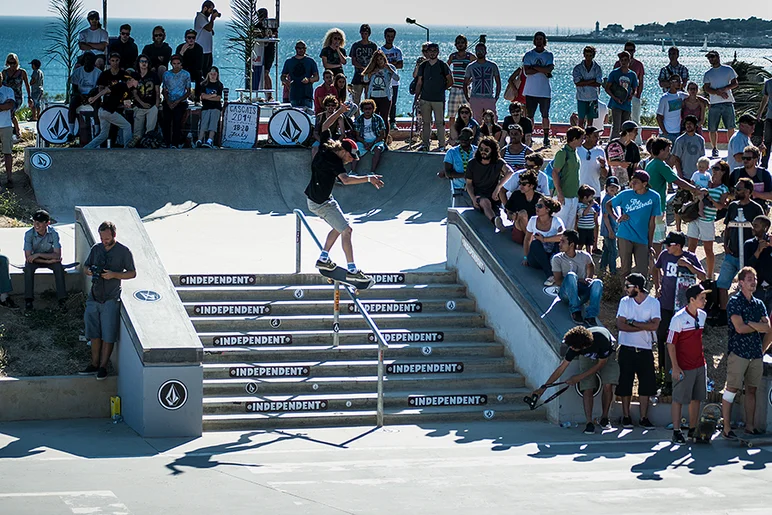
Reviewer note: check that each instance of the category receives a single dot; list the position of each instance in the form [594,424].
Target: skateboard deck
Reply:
[755,441]
[710,416]
[339,274]
[65,266]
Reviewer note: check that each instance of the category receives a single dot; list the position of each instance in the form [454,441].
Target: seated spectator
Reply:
[191,56]
[84,80]
[6,287]
[326,128]
[608,228]
[211,104]
[489,126]
[703,229]
[758,254]
[456,161]
[464,119]
[517,117]
[176,89]
[147,99]
[378,76]
[159,52]
[115,99]
[370,130]
[521,205]
[484,176]
[573,270]
[42,249]
[587,214]
[324,89]
[126,48]
[762,179]
[516,152]
[542,235]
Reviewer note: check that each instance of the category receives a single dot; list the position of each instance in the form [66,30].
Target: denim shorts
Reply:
[729,269]
[103,320]
[723,111]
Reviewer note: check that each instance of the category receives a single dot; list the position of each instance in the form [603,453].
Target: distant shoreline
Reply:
[640,41]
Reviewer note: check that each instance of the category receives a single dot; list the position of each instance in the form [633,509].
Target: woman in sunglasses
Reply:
[464,118]
[14,77]
[542,235]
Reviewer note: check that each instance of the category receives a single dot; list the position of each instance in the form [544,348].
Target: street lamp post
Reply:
[411,21]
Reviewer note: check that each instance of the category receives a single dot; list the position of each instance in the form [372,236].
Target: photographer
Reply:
[204,26]
[108,263]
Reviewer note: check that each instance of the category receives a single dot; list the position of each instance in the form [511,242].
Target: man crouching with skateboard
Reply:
[326,167]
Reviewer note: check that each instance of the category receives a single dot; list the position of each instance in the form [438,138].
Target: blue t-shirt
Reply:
[297,70]
[175,84]
[614,224]
[640,208]
[455,156]
[628,82]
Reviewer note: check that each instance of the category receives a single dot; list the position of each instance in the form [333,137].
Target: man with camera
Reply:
[204,26]
[108,263]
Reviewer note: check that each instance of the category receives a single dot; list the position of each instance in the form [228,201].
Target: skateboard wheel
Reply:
[329,281]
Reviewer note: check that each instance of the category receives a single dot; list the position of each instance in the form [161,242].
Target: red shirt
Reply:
[686,334]
[319,94]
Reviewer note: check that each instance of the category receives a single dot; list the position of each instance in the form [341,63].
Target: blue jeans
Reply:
[609,256]
[540,259]
[578,293]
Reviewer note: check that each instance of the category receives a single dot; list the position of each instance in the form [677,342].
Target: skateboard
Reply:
[339,274]
[709,420]
[755,441]
[65,266]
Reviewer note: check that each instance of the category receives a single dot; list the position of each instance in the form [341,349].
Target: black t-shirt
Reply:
[128,52]
[146,87]
[762,182]
[108,79]
[159,56]
[212,88]
[361,54]
[192,60]
[632,154]
[325,168]
[601,347]
[434,84]
[524,122]
[518,202]
[117,259]
[495,131]
[333,59]
[750,211]
[334,131]
[485,178]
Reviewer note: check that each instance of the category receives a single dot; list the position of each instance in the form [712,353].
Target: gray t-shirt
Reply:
[689,149]
[117,259]
[577,264]
[483,75]
[768,91]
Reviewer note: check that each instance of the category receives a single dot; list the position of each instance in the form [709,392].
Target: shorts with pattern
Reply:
[330,212]
[455,99]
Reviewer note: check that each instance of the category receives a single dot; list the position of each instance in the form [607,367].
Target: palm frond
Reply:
[241,29]
[62,35]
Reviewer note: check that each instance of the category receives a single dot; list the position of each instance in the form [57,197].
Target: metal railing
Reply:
[300,217]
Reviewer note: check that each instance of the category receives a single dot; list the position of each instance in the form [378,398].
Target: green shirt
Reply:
[567,162]
[660,175]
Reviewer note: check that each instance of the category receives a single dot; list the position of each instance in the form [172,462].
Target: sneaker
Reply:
[730,435]
[577,317]
[28,305]
[605,424]
[646,423]
[8,303]
[715,152]
[591,322]
[589,429]
[358,276]
[678,437]
[198,144]
[627,423]
[690,435]
[546,141]
[498,223]
[206,144]
[89,371]
[550,281]
[101,374]
[328,265]
[598,252]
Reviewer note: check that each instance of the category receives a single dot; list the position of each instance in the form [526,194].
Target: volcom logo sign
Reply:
[290,127]
[52,125]
[173,394]
[40,160]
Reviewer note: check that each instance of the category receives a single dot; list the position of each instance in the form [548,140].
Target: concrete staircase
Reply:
[269,359]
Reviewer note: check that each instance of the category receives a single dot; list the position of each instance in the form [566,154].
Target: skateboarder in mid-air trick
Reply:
[326,167]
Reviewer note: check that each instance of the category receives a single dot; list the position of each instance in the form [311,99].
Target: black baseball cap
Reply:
[350,146]
[612,181]
[590,130]
[41,215]
[694,291]
[466,134]
[675,238]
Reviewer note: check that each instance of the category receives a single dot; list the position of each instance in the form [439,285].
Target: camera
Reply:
[216,13]
[531,400]
[483,37]
[96,271]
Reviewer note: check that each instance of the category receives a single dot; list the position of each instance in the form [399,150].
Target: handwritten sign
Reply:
[239,127]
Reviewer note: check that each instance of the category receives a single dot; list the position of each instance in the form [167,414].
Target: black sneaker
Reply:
[646,423]
[28,305]
[357,276]
[591,322]
[63,305]
[546,141]
[89,371]
[715,152]
[627,423]
[589,429]
[690,434]
[605,424]
[101,374]
[326,265]
[577,317]
[730,435]
[678,437]
[8,303]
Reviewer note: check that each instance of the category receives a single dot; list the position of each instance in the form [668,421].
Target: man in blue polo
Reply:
[456,160]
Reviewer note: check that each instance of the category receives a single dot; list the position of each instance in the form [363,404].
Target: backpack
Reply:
[152,139]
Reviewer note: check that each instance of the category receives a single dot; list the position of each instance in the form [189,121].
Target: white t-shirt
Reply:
[393,55]
[718,78]
[701,179]
[557,227]
[203,37]
[258,54]
[646,311]
[542,184]
[369,135]
[6,94]
[589,169]
[600,120]
[94,36]
[670,105]
[538,84]
[84,80]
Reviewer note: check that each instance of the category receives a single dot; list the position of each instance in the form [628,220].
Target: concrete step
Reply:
[443,350]
[317,292]
[325,307]
[219,280]
[393,321]
[333,384]
[449,368]
[358,401]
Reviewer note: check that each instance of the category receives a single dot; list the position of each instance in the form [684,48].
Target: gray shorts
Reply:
[103,320]
[329,212]
[693,387]
[609,374]
[210,119]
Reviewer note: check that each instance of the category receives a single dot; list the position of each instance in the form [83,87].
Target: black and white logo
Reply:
[173,394]
[275,322]
[299,294]
[290,127]
[147,295]
[218,280]
[489,414]
[450,305]
[426,351]
[251,388]
[40,160]
[552,291]
[336,327]
[52,125]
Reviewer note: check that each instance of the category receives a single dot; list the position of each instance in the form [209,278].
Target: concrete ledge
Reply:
[55,397]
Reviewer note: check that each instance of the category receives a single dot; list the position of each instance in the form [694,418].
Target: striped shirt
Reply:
[458,67]
[710,211]
[587,221]
[516,161]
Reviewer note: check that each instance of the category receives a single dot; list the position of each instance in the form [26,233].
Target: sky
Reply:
[562,13]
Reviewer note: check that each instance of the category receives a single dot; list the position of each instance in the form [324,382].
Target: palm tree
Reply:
[63,33]
[243,32]
[747,95]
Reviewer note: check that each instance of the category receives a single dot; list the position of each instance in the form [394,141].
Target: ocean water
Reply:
[26,37]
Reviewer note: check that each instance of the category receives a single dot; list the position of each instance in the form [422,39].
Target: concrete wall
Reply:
[55,397]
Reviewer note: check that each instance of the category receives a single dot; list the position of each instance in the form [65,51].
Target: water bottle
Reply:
[653,400]
[565,424]
[711,386]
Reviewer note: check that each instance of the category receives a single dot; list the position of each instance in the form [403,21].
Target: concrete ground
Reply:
[94,466]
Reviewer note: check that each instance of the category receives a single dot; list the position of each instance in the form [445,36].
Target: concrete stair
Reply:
[270,362]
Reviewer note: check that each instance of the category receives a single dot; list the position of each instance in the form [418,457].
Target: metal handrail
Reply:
[301,217]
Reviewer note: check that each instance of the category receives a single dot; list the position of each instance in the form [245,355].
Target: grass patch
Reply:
[16,207]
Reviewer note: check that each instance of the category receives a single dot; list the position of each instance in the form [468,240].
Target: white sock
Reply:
[3,296]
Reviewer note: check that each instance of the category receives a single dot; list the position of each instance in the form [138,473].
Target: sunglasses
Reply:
[521,183]
[539,206]
[465,112]
[125,33]
[143,61]
[300,48]
[158,35]
[748,158]
[190,37]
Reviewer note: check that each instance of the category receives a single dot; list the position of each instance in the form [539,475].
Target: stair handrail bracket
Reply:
[300,220]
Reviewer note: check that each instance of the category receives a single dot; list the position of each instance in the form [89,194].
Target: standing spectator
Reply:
[371,133]
[608,228]
[126,48]
[592,161]
[765,112]
[515,153]
[42,249]
[637,67]
[516,116]
[762,179]
[434,78]
[521,205]
[483,176]
[479,81]
[158,51]
[378,75]
[488,125]
[458,62]
[203,24]
[748,321]
[565,176]
[269,49]
[361,53]
[640,206]
[694,105]
[333,52]
[14,77]
[588,78]
[211,108]
[299,74]
[684,345]
[538,64]
[758,254]
[94,39]
[573,271]
[743,209]
[688,148]
[542,235]
[623,154]
[455,164]
[673,68]
[740,140]
[37,89]
[669,110]
[464,118]
[6,133]
[394,56]
[703,229]
[84,80]
[324,89]
[587,213]
[176,89]
[192,55]
[147,99]
[621,85]
[718,83]
[637,319]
